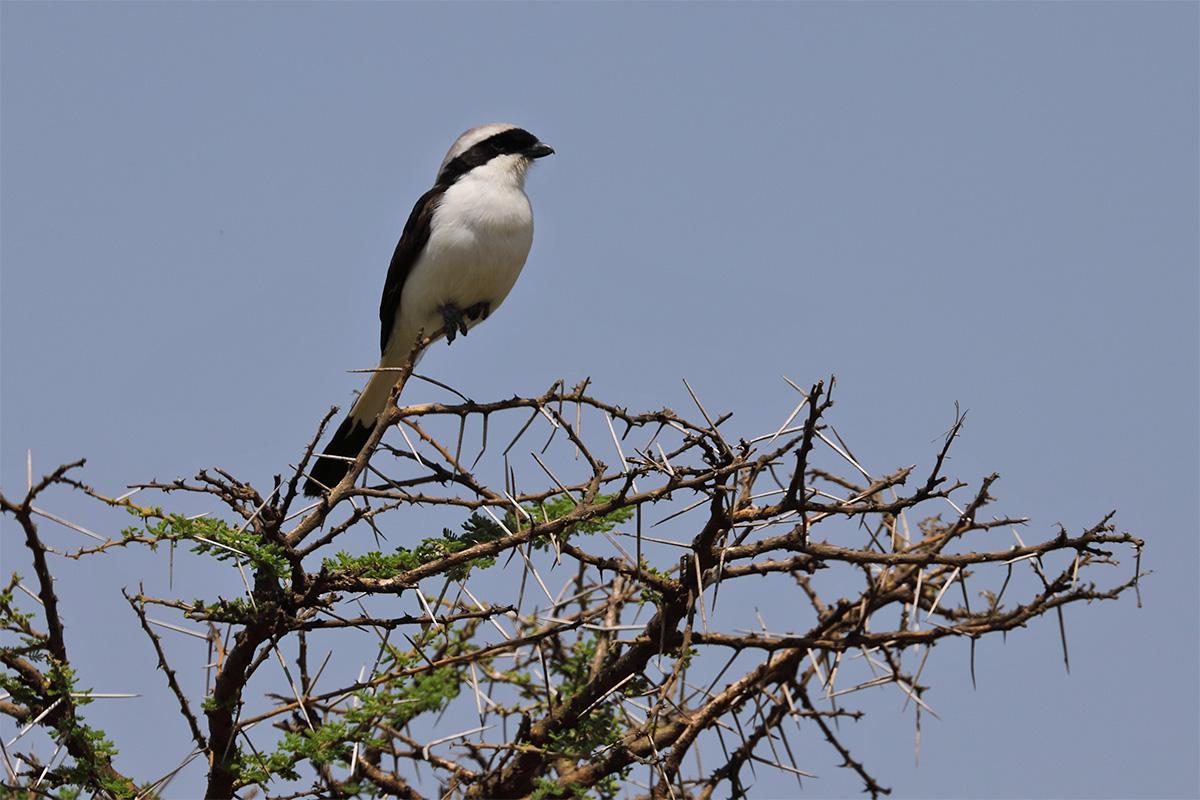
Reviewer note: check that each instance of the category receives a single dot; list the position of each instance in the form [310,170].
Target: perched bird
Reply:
[461,251]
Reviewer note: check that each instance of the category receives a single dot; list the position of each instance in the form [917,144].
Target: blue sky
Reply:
[988,203]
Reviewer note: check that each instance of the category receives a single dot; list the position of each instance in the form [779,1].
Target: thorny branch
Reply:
[565,687]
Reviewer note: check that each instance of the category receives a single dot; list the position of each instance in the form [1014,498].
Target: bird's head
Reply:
[499,147]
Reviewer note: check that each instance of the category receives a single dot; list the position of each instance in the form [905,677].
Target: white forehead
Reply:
[473,137]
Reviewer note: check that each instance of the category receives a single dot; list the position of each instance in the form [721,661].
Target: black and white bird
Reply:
[461,251]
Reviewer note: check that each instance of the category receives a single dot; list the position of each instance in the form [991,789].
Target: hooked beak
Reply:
[539,150]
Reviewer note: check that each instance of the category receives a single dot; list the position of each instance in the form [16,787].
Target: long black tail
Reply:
[347,442]
[351,435]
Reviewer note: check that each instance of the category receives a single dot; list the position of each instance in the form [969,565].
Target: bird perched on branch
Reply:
[461,251]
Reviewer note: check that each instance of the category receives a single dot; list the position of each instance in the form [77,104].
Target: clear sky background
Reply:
[989,203]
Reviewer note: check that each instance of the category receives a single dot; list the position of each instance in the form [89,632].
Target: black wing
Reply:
[408,249]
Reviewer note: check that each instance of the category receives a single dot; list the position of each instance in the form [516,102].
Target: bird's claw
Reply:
[454,322]
[455,319]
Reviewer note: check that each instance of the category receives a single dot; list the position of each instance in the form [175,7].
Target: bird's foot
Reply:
[454,320]
[479,311]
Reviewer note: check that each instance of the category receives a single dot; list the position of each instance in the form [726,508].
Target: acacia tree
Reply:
[645,671]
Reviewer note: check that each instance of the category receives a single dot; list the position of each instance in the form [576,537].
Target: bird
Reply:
[459,254]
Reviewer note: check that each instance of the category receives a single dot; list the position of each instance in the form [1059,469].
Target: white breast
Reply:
[480,236]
